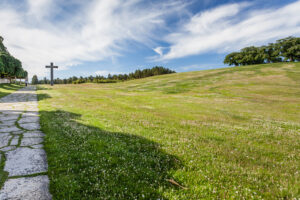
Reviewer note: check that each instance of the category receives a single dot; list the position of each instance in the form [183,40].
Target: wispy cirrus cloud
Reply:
[73,32]
[231,27]
[43,31]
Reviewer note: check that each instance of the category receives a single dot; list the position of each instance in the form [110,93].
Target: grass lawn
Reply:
[231,133]
[6,89]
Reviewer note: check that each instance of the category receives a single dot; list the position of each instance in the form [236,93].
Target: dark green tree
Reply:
[10,67]
[289,48]
[232,59]
[34,80]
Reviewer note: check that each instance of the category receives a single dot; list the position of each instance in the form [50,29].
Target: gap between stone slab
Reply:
[20,140]
[17,122]
[27,147]
[10,140]
[1,150]
[29,175]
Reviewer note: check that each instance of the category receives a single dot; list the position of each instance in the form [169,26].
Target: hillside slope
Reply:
[229,133]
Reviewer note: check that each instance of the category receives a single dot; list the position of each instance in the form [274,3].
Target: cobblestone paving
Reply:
[21,147]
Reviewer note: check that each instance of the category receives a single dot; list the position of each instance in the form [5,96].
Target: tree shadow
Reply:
[3,94]
[43,96]
[42,88]
[8,86]
[87,162]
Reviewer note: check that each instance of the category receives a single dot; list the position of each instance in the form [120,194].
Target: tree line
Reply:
[137,74]
[283,50]
[10,67]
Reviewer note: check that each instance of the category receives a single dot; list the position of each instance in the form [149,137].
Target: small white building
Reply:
[13,80]
[4,80]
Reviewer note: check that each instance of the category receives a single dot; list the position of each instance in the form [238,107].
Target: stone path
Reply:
[21,148]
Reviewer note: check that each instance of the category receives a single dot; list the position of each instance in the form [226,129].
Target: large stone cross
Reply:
[51,70]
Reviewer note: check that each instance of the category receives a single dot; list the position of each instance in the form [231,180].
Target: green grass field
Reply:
[6,89]
[231,133]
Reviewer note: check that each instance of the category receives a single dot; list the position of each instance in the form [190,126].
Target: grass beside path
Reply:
[6,89]
[229,133]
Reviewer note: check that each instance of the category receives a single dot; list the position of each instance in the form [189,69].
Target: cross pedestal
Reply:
[51,71]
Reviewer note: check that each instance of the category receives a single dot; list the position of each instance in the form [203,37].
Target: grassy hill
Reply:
[229,133]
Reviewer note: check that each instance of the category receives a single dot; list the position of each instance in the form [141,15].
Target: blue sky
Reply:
[116,36]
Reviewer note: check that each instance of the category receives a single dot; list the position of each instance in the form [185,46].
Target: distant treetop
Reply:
[137,74]
[287,49]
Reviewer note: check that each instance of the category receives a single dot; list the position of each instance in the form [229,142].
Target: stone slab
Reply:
[31,141]
[8,123]
[29,188]
[11,111]
[33,134]
[4,127]
[30,126]
[9,148]
[9,129]
[15,140]
[9,117]
[4,139]
[33,113]
[31,119]
[25,161]
[17,132]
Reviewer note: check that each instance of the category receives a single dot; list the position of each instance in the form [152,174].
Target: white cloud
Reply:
[159,50]
[102,29]
[37,8]
[231,27]
[98,30]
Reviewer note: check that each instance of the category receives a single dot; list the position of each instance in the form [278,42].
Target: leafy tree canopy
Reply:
[9,65]
[34,80]
[287,49]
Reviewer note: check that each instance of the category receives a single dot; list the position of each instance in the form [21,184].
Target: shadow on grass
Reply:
[3,94]
[43,96]
[8,86]
[87,162]
[39,87]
